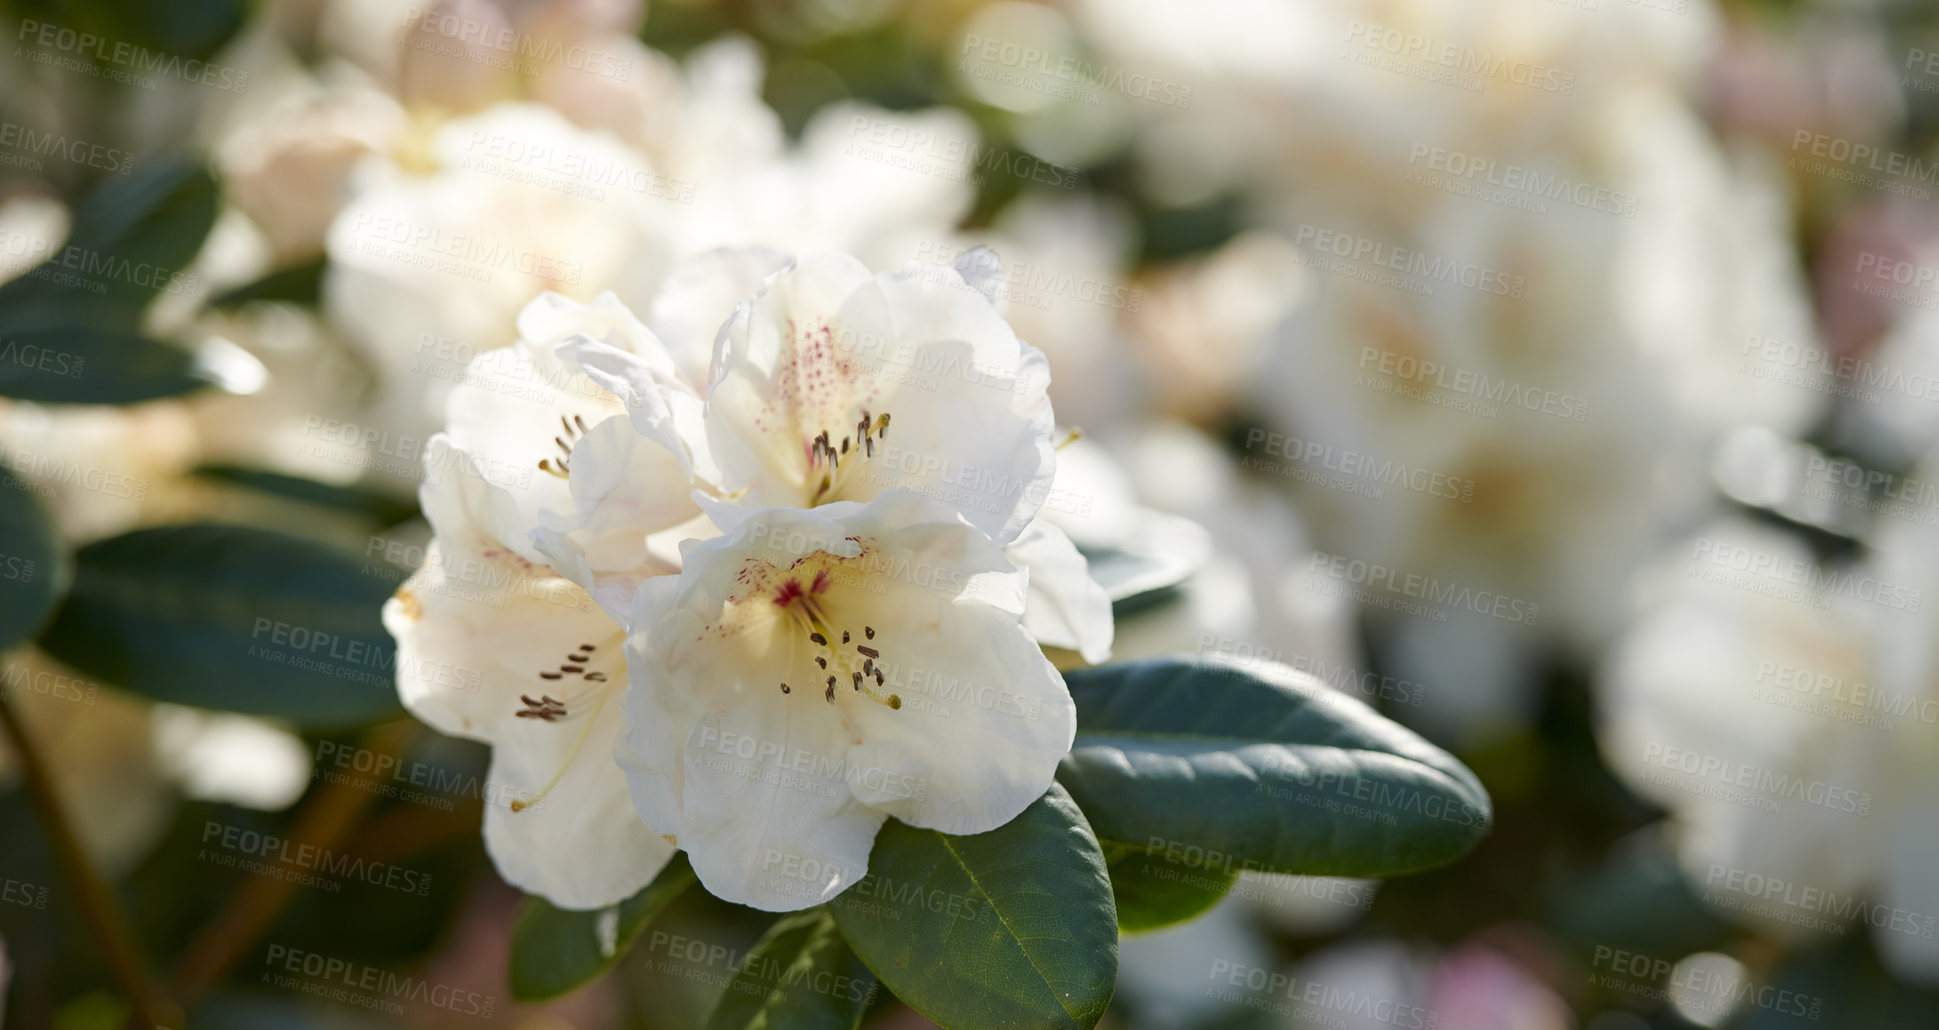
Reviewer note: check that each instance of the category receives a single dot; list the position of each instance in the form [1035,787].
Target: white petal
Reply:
[580,845]
[624,488]
[1066,608]
[698,298]
[759,829]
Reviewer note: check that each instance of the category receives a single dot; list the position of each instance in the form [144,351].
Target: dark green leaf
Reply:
[131,240]
[83,365]
[801,976]
[232,618]
[381,509]
[556,950]
[1225,767]
[1013,927]
[1152,892]
[182,28]
[33,565]
[297,284]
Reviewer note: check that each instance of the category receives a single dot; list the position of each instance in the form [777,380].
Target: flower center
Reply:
[834,460]
[808,611]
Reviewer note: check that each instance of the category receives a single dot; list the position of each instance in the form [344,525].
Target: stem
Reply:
[324,820]
[105,920]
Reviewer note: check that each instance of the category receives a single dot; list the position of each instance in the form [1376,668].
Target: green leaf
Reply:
[234,618]
[84,365]
[1224,767]
[296,284]
[1014,927]
[131,239]
[800,976]
[556,950]
[33,566]
[1152,892]
[379,508]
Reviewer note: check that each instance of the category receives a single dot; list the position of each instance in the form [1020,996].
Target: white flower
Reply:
[829,385]
[812,672]
[832,384]
[494,647]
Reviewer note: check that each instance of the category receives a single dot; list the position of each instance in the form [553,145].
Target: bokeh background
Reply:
[1557,376]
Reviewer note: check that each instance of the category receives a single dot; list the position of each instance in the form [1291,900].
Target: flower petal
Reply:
[1066,608]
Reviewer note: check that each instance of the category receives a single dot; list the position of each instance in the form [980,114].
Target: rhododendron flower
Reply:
[812,672]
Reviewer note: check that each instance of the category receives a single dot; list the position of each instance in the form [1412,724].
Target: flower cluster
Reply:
[754,616]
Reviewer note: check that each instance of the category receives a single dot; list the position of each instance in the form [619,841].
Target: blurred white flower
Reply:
[217,756]
[1786,712]
[811,672]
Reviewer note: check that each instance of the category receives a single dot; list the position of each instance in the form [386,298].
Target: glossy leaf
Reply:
[232,618]
[1152,892]
[1014,927]
[1226,767]
[801,976]
[33,566]
[88,365]
[556,950]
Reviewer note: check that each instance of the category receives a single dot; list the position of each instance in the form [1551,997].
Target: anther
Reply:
[867,631]
[818,638]
[864,648]
[785,690]
[551,675]
[858,679]
[844,636]
[823,662]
